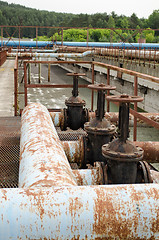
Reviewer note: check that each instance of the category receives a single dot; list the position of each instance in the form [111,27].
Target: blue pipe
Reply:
[39,44]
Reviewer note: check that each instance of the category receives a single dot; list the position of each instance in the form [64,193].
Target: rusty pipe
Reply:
[151,151]
[51,55]
[57,118]
[92,176]
[139,54]
[155,176]
[84,212]
[43,161]
[35,50]
[74,151]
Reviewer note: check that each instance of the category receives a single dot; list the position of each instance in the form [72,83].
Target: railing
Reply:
[136,75]
[16,86]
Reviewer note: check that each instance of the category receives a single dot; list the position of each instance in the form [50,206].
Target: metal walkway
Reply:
[7,89]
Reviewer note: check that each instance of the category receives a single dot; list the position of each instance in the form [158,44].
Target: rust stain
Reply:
[117,227]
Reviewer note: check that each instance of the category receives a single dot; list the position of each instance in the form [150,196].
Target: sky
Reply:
[142,8]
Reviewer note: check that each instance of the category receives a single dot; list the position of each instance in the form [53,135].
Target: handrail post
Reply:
[36,37]
[49,72]
[108,92]
[87,36]
[25,83]
[19,37]
[92,97]
[1,36]
[135,107]
[16,86]
[61,36]
[29,73]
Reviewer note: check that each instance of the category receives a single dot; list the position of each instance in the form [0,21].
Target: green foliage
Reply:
[148,34]
[111,22]
[42,38]
[153,19]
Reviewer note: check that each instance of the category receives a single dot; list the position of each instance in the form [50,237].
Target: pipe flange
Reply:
[123,152]
[75,101]
[99,130]
[63,122]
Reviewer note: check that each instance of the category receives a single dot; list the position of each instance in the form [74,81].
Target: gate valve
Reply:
[75,115]
[99,130]
[122,155]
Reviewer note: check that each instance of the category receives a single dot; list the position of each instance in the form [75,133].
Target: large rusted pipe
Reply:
[75,151]
[42,159]
[115,52]
[84,212]
[51,55]
[151,151]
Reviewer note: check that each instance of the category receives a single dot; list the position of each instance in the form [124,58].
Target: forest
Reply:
[112,27]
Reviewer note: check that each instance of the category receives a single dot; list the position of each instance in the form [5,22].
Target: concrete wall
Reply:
[147,89]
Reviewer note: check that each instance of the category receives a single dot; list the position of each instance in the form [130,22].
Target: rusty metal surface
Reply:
[3,56]
[74,151]
[57,118]
[92,176]
[115,52]
[51,55]
[151,151]
[122,151]
[154,176]
[75,74]
[42,159]
[111,116]
[10,149]
[124,98]
[84,212]
[101,86]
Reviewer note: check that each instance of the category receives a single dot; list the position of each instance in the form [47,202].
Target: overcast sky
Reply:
[142,8]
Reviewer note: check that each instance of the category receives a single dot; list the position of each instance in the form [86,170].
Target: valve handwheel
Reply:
[124,98]
[101,86]
[75,74]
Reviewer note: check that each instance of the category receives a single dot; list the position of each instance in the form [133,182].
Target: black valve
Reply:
[99,130]
[121,155]
[75,115]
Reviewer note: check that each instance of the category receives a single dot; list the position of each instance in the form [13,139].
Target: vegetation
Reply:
[13,14]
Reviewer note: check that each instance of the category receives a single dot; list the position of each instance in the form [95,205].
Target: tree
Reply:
[124,23]
[134,21]
[111,22]
[153,21]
